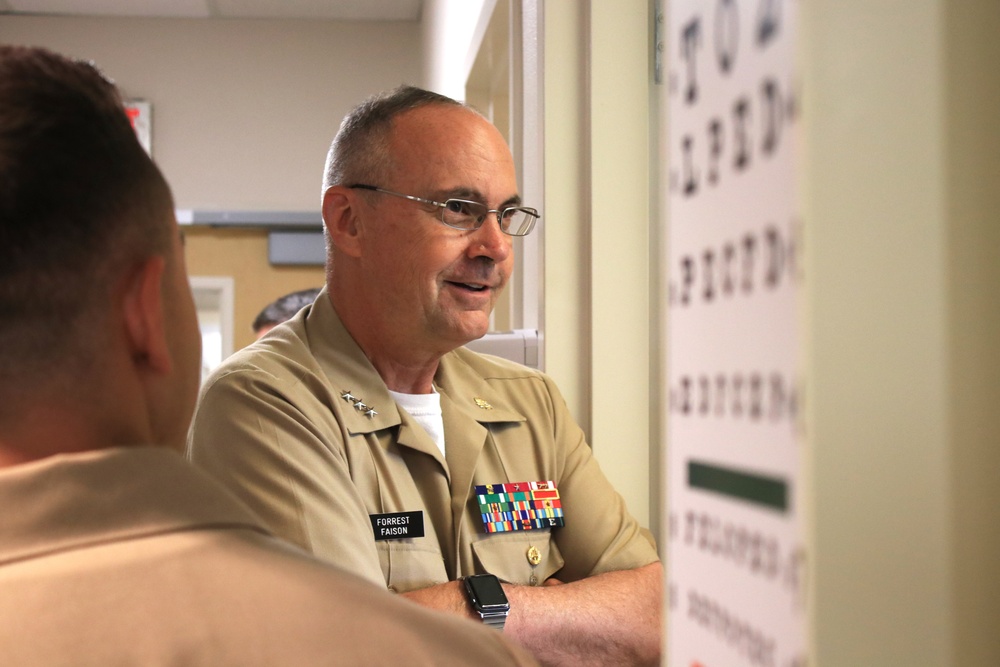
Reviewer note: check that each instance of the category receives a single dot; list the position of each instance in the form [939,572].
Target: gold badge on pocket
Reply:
[534,555]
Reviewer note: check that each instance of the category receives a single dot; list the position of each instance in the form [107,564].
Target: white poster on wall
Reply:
[140,114]
[736,548]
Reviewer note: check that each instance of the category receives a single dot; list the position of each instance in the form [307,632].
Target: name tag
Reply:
[397,525]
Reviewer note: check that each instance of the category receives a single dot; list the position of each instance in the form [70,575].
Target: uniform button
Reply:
[534,556]
[533,580]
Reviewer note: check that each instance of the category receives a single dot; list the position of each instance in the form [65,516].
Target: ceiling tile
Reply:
[343,10]
[161,8]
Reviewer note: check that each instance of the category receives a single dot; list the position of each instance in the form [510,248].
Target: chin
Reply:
[466,333]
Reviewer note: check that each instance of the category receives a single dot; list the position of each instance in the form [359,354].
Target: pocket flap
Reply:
[523,557]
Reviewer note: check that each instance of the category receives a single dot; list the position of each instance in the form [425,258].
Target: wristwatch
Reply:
[488,599]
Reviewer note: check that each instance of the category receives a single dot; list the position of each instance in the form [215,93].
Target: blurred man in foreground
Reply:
[113,549]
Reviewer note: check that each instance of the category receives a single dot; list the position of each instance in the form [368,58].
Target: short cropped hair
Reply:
[79,200]
[360,151]
[283,308]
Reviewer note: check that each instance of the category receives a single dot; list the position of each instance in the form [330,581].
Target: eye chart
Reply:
[736,549]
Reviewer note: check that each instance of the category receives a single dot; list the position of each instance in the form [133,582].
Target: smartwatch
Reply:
[488,599]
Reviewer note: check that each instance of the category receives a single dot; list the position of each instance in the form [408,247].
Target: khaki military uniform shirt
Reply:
[279,424]
[134,557]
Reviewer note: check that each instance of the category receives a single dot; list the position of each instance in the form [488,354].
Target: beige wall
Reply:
[243,112]
[598,279]
[242,253]
[972,181]
[901,106]
[877,362]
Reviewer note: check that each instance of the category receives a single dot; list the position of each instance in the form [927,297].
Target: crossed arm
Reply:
[613,618]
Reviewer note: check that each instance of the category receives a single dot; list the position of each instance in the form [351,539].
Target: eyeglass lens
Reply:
[464,214]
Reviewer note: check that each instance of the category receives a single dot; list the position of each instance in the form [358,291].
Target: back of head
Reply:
[79,201]
[360,151]
[282,309]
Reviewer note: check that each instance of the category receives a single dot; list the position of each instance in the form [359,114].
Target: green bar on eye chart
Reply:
[759,489]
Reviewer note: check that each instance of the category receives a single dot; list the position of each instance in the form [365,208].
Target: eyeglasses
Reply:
[469,215]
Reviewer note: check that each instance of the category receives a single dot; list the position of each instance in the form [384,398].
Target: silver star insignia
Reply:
[371,413]
[360,406]
[348,396]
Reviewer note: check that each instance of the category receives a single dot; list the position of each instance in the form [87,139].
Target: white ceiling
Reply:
[342,10]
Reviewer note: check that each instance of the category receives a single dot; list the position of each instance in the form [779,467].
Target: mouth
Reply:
[469,287]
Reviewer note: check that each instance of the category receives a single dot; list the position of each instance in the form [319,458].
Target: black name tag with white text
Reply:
[397,525]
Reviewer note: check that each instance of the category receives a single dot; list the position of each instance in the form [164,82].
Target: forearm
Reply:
[610,619]
[449,597]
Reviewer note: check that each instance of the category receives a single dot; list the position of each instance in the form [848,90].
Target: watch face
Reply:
[487,591]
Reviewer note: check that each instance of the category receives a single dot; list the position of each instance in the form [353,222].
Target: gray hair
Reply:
[360,151]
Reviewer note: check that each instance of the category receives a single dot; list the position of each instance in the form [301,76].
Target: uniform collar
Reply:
[356,381]
[470,391]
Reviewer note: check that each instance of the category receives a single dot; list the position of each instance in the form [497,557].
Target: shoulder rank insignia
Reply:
[360,405]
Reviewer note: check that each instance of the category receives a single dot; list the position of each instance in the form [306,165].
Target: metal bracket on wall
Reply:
[311,220]
[293,237]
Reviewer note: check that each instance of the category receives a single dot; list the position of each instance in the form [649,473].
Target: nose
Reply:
[490,241]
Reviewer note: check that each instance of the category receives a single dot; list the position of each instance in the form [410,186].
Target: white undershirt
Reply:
[426,410]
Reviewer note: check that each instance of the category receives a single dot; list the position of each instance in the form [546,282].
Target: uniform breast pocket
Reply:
[523,557]
[408,565]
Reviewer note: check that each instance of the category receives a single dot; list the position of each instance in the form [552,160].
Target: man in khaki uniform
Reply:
[363,431]
[114,550]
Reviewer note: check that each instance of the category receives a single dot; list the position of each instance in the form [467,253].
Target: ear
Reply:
[341,220]
[142,309]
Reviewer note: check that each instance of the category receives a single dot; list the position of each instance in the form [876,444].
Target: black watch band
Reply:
[487,598]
